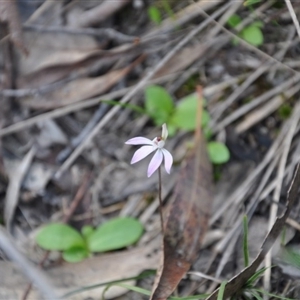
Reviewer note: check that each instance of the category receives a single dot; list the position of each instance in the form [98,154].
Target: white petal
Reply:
[142,153]
[155,162]
[139,141]
[168,158]
[164,133]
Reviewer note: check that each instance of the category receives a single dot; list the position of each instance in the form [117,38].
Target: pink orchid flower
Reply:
[156,144]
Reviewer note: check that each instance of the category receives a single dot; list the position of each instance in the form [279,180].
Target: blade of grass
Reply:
[134,289]
[272,295]
[221,290]
[133,107]
[255,276]
[245,241]
[256,295]
[282,242]
[94,286]
[195,297]
[147,293]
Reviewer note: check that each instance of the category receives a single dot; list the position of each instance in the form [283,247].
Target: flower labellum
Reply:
[157,145]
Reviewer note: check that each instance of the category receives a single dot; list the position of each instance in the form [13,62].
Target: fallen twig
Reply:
[110,33]
[27,268]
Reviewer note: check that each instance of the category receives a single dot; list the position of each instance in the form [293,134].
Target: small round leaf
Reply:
[159,104]
[218,152]
[234,20]
[115,234]
[185,114]
[59,237]
[253,35]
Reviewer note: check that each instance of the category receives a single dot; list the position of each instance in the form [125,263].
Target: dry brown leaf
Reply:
[16,176]
[79,89]
[9,14]
[237,282]
[69,277]
[74,91]
[56,55]
[52,49]
[100,13]
[188,219]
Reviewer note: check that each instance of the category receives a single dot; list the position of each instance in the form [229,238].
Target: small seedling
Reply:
[160,106]
[115,234]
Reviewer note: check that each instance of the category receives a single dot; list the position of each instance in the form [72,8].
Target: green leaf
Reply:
[184,116]
[171,129]
[245,241]
[255,295]
[251,2]
[159,104]
[115,234]
[250,282]
[253,35]
[195,297]
[259,24]
[154,14]
[218,152]
[59,237]
[75,254]
[272,295]
[144,274]
[135,289]
[234,20]
[148,293]
[222,290]
[87,230]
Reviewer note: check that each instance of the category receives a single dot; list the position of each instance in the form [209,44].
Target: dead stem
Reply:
[160,201]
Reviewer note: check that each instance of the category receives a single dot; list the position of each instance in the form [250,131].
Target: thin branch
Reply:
[280,175]
[26,267]
[160,202]
[293,15]
[97,32]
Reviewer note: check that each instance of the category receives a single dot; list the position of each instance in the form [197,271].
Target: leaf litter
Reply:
[69,64]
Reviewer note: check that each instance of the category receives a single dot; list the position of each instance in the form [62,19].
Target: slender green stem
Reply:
[160,201]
